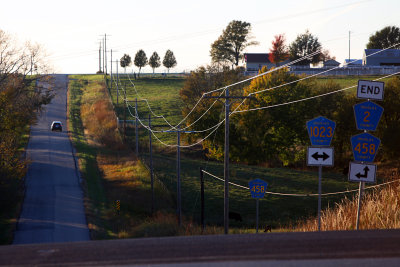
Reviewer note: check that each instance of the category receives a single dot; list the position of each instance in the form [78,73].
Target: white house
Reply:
[255,61]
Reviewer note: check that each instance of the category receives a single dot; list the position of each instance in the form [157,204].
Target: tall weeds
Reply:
[379,210]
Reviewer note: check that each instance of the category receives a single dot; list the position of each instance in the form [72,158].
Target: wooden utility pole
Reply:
[100,58]
[226,154]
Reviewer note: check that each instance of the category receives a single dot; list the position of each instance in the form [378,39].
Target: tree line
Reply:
[229,48]
[154,61]
[277,136]
[21,98]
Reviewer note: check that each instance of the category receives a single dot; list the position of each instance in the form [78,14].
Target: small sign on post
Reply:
[370,90]
[320,156]
[359,172]
[321,131]
[365,146]
[367,115]
[258,188]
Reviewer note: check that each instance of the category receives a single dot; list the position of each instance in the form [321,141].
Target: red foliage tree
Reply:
[279,51]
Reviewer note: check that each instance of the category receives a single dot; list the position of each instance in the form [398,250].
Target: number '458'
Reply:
[258,189]
[365,148]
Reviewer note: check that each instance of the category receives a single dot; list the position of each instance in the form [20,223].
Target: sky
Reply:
[70,31]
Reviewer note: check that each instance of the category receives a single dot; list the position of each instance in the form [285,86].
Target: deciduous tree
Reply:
[304,45]
[169,60]
[384,38]
[279,51]
[140,60]
[125,61]
[154,61]
[231,43]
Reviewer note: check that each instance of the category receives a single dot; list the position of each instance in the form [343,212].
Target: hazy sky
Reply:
[71,30]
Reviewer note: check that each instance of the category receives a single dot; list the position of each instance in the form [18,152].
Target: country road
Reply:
[53,206]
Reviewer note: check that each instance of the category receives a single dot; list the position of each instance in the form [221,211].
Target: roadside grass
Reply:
[95,200]
[277,211]
[379,210]
[110,170]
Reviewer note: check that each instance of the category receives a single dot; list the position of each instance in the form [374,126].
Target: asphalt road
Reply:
[53,206]
[345,248]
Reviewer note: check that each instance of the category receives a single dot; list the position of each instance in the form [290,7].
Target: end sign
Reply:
[370,90]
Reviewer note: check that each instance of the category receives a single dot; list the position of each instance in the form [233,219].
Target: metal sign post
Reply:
[258,188]
[321,131]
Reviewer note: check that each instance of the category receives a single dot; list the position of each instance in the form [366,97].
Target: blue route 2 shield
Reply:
[258,188]
[367,115]
[321,131]
[365,146]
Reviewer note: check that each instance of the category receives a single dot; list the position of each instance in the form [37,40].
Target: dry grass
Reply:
[98,116]
[380,210]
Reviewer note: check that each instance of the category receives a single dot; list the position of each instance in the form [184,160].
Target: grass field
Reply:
[275,210]
[163,98]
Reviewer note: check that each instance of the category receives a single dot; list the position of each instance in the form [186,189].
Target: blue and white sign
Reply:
[321,131]
[258,188]
[367,115]
[365,146]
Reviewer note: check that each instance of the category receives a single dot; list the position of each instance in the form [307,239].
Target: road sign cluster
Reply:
[365,145]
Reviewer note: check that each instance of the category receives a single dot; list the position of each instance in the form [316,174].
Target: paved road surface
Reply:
[53,207]
[352,248]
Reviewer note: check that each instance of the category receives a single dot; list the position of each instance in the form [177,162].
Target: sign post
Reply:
[258,188]
[321,131]
[367,115]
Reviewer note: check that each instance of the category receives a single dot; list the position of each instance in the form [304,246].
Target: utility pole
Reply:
[103,56]
[226,154]
[151,161]
[105,51]
[100,58]
[349,47]
[178,173]
[178,169]
[137,126]
[111,74]
[226,164]
[136,129]
[117,81]
[151,168]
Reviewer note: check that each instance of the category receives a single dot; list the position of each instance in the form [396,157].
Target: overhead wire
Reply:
[281,104]
[300,195]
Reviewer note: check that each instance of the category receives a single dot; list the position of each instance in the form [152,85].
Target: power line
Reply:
[300,195]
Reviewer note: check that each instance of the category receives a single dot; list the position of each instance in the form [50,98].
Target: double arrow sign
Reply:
[320,156]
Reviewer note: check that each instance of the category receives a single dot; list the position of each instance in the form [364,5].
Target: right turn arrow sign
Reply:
[359,172]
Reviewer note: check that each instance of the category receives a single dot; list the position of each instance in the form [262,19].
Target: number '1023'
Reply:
[321,131]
